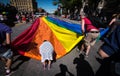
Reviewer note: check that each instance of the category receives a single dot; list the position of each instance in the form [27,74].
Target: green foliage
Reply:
[55,2]
[70,5]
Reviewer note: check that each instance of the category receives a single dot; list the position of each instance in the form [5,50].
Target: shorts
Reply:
[108,49]
[7,54]
[90,38]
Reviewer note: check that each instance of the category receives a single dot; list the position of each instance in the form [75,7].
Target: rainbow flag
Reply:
[63,35]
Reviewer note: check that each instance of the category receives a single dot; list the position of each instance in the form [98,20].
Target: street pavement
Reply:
[72,64]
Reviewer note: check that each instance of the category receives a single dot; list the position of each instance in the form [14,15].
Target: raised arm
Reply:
[83,26]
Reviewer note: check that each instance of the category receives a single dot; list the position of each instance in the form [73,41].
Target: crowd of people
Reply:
[110,47]
[111,40]
[25,17]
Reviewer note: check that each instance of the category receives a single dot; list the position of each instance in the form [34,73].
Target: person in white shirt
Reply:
[46,51]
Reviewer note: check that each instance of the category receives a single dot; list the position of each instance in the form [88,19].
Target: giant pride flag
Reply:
[63,35]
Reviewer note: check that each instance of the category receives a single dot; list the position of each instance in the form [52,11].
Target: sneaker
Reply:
[80,52]
[86,55]
[5,67]
[77,50]
[8,72]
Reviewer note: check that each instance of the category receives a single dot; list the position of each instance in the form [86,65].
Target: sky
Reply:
[47,5]
[44,4]
[5,1]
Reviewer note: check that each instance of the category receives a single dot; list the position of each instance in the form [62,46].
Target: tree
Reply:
[111,7]
[69,6]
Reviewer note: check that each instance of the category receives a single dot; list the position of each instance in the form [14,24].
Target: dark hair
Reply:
[44,40]
[10,13]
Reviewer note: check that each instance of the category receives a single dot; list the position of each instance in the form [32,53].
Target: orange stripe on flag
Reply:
[45,33]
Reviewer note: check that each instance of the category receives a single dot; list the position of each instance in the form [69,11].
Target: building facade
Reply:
[26,6]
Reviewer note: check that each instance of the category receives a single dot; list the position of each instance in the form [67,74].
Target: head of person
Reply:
[9,14]
[116,16]
[82,15]
[45,40]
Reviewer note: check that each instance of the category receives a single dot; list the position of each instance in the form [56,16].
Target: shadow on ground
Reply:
[83,68]
[18,61]
[63,71]
[2,68]
[109,66]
